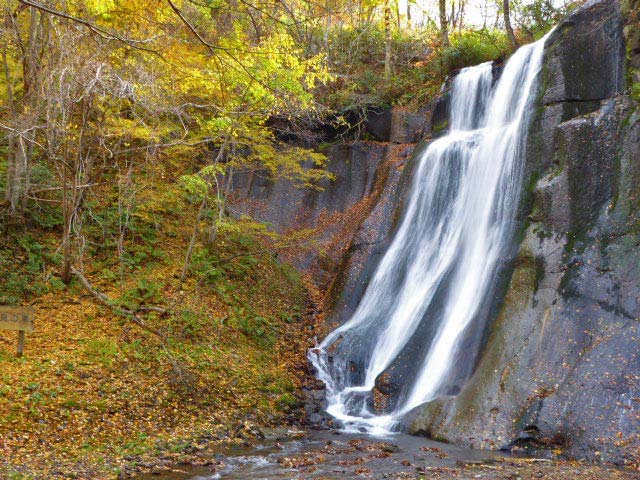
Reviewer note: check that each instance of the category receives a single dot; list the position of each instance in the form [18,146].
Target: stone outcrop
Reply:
[585,55]
[396,125]
[561,366]
[364,173]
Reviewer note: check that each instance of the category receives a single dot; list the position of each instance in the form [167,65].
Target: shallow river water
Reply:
[332,455]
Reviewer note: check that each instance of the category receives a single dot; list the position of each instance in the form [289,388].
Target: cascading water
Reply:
[442,263]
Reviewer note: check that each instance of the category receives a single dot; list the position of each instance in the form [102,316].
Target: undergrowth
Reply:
[94,387]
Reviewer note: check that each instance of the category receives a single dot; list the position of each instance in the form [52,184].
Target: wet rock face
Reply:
[439,118]
[631,11]
[370,241]
[563,356]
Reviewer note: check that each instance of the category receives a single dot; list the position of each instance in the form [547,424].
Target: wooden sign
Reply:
[17,318]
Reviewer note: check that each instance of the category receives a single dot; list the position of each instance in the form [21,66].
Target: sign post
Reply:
[17,318]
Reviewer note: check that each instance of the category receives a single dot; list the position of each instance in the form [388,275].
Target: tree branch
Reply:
[192,28]
[104,33]
[105,300]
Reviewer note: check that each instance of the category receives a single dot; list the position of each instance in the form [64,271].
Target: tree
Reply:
[507,23]
[387,39]
[97,96]
[31,42]
[444,33]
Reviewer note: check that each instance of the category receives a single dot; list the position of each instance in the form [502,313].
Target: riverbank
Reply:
[98,396]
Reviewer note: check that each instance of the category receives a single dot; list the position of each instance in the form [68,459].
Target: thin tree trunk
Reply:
[30,72]
[443,23]
[66,228]
[19,168]
[387,44]
[192,242]
[453,19]
[10,176]
[507,23]
[222,204]
[213,231]
[461,6]
[327,28]
[26,186]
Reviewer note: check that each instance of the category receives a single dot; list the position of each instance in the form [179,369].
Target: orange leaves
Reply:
[95,390]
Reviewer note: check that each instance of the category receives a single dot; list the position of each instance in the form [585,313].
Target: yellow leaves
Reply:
[132,129]
[217,126]
[101,7]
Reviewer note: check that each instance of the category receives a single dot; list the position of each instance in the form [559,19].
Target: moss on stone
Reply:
[440,126]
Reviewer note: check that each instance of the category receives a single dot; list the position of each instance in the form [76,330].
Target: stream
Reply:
[331,455]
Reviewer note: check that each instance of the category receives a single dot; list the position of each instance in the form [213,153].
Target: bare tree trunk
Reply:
[22,162]
[461,6]
[192,242]
[222,203]
[387,43]
[11,136]
[66,227]
[507,23]
[24,111]
[443,23]
[454,19]
[125,200]
[221,198]
[327,25]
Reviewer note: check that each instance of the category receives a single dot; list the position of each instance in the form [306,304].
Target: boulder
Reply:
[585,55]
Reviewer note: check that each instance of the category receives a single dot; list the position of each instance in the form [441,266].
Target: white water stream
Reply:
[441,265]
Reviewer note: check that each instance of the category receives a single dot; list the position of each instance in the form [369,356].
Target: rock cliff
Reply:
[561,366]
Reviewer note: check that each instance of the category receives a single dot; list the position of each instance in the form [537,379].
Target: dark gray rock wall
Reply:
[571,72]
[335,211]
[372,236]
[396,125]
[561,367]
[286,205]
[325,213]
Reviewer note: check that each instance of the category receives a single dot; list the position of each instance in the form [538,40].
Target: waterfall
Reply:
[457,225]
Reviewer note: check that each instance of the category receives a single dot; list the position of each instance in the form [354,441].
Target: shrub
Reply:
[24,270]
[471,47]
